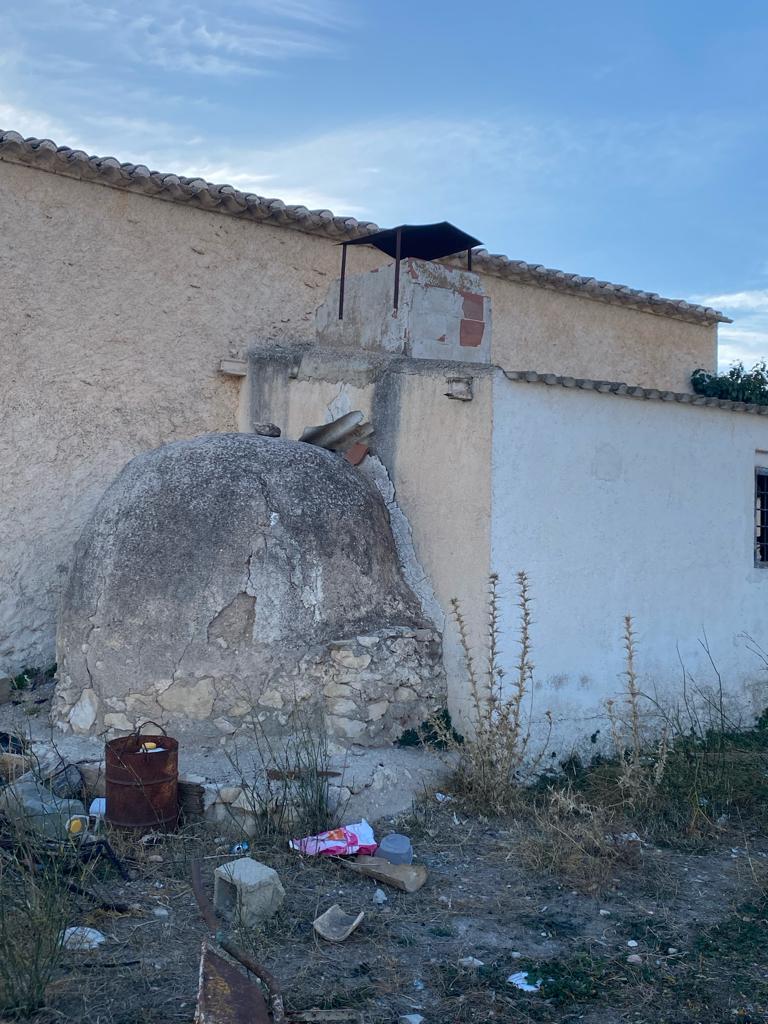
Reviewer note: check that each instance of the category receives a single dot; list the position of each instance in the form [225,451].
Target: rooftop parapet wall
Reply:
[46,155]
[442,313]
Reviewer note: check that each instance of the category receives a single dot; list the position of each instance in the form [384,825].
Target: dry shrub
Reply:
[35,907]
[286,779]
[640,742]
[574,841]
[500,754]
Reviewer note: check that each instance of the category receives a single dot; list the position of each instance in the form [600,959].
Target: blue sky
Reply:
[625,141]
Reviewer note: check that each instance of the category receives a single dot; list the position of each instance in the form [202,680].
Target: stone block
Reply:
[348,659]
[247,891]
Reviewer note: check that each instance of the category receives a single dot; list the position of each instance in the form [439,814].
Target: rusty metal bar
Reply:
[398,245]
[276,1003]
[341,279]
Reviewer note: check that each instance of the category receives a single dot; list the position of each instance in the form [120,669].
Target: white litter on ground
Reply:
[520,980]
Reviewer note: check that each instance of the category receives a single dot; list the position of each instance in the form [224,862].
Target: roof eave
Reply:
[46,155]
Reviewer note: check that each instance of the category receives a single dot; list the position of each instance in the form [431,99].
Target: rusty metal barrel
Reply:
[142,775]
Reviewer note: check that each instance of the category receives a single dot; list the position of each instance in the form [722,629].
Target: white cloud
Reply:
[29,122]
[756,300]
[745,340]
[198,38]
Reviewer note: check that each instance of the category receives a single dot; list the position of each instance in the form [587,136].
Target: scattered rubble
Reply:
[406,877]
[31,805]
[247,891]
[336,926]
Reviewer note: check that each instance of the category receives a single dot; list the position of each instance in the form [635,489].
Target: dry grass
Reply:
[575,841]
[286,779]
[35,907]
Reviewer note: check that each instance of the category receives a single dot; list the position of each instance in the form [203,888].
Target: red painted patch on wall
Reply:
[473,306]
[471,333]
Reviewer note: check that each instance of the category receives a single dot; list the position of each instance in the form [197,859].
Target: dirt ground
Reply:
[696,919]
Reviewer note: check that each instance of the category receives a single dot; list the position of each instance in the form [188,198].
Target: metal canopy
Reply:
[420,241]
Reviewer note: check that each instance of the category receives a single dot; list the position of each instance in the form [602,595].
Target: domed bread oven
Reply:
[235,575]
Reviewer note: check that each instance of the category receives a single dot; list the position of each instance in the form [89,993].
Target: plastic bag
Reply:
[339,842]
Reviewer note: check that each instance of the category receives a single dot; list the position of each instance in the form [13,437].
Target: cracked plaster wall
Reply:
[431,461]
[116,311]
[234,576]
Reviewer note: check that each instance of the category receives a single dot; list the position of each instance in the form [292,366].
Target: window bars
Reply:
[761,517]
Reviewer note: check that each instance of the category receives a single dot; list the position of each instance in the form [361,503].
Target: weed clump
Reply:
[286,781]
[35,907]
[499,754]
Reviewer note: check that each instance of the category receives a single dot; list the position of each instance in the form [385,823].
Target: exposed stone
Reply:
[119,722]
[225,726]
[247,800]
[377,710]
[228,794]
[405,693]
[342,706]
[338,690]
[271,699]
[237,565]
[82,716]
[348,728]
[195,700]
[369,641]
[348,659]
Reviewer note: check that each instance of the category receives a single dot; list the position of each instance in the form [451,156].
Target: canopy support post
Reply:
[398,241]
[341,279]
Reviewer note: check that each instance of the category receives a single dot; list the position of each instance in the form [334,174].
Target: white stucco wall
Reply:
[615,506]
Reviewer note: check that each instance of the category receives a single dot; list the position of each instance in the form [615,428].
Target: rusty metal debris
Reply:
[225,995]
[143,780]
[230,999]
[340,435]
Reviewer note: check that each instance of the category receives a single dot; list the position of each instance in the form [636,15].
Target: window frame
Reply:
[760,510]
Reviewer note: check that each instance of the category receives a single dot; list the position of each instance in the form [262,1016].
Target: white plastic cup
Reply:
[98,808]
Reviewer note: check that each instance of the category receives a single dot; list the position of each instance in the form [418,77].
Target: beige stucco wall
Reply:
[552,332]
[116,309]
[437,452]
[442,476]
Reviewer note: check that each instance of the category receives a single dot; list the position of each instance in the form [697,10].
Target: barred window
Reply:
[761,517]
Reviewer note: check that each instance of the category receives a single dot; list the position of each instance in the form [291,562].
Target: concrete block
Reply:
[247,891]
